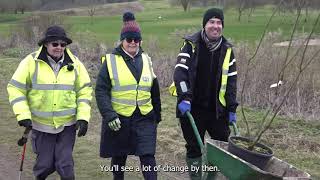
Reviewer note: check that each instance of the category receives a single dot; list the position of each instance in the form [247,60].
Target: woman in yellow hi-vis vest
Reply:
[128,97]
[51,91]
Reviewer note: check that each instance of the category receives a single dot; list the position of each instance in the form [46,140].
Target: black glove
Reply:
[83,125]
[25,123]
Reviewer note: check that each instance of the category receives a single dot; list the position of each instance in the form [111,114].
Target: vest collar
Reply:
[119,51]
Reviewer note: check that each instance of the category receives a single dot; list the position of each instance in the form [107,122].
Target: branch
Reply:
[248,67]
[301,70]
[309,37]
[281,74]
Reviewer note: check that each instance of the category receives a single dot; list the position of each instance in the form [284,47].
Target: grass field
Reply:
[106,29]
[293,140]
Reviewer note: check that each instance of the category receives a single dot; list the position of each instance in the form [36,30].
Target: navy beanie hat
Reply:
[130,28]
[212,13]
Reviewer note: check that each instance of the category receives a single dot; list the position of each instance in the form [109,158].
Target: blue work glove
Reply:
[115,124]
[82,125]
[184,106]
[25,123]
[232,117]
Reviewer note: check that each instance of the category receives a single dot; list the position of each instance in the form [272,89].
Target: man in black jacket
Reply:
[205,77]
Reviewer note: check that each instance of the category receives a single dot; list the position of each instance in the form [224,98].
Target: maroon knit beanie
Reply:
[130,28]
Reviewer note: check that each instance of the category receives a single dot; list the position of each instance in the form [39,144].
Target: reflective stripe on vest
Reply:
[126,93]
[36,86]
[224,77]
[50,129]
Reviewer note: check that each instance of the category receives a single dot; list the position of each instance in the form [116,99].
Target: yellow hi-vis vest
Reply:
[224,80]
[126,93]
[51,101]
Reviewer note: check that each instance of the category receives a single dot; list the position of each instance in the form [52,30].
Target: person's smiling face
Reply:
[213,28]
[131,45]
[56,48]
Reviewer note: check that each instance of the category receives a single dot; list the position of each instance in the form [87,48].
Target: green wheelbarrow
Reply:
[235,168]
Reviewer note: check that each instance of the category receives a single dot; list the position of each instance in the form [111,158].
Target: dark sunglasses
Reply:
[57,44]
[136,40]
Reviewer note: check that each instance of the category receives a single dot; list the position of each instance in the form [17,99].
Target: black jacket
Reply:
[103,86]
[201,71]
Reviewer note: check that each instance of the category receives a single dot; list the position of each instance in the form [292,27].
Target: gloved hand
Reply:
[25,123]
[232,117]
[82,125]
[115,124]
[184,106]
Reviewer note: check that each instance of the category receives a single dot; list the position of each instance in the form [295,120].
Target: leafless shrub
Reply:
[303,101]
[90,56]
[163,63]
[281,92]
[4,43]
[180,33]
[28,33]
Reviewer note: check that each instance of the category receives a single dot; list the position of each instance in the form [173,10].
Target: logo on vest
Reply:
[145,79]
[183,60]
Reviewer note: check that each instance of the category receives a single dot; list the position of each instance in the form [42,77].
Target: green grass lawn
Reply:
[106,29]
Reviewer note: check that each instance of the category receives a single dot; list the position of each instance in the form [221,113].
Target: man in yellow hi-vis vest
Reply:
[205,77]
[51,92]
[128,97]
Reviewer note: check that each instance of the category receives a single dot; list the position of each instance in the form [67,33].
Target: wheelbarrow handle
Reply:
[195,130]
[235,129]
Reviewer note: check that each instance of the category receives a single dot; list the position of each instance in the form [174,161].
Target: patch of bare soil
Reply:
[9,164]
[312,42]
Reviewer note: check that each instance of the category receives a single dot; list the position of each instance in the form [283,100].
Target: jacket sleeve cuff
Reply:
[232,108]
[23,116]
[110,117]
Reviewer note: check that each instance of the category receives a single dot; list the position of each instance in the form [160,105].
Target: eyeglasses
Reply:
[55,44]
[136,40]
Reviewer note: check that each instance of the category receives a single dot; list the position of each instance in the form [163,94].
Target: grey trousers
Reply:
[54,153]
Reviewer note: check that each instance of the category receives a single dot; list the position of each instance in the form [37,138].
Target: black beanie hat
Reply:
[212,13]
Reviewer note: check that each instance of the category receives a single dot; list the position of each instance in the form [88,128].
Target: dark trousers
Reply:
[54,153]
[218,129]
[145,160]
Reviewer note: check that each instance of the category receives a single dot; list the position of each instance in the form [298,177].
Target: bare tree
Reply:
[92,10]
[185,4]
[251,5]
[281,93]
[241,6]
[22,5]
[4,6]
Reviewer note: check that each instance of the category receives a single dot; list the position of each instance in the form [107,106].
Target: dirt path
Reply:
[9,165]
[312,42]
